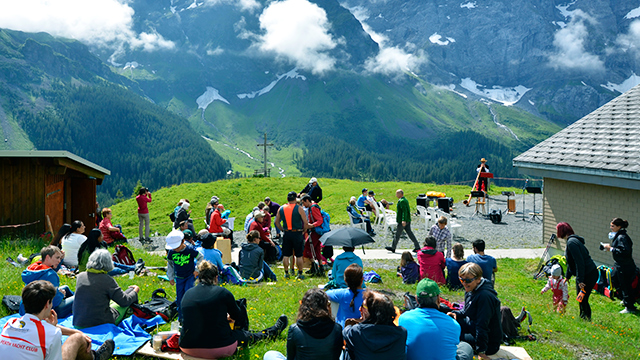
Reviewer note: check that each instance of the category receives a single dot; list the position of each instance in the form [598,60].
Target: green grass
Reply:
[241,195]
[609,335]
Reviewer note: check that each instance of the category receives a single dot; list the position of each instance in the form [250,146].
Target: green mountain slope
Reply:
[55,95]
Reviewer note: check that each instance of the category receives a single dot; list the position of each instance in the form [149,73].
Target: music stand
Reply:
[508,194]
[477,195]
[534,190]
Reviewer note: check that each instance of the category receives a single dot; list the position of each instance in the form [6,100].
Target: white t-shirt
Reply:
[70,245]
[20,340]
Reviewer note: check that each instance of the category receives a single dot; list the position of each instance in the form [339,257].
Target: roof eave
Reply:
[622,179]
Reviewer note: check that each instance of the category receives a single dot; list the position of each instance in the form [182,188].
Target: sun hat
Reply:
[427,288]
[174,239]
[556,270]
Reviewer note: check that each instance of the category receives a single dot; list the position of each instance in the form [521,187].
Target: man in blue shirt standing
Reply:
[486,262]
[432,334]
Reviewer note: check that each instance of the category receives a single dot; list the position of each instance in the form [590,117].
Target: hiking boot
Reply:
[627,311]
[10,261]
[22,260]
[287,276]
[274,331]
[300,277]
[389,248]
[105,350]
[139,266]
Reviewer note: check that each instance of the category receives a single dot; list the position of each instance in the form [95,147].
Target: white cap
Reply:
[556,270]
[185,205]
[312,180]
[174,239]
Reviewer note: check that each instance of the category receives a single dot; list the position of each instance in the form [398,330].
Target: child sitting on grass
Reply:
[558,285]
[181,265]
[408,269]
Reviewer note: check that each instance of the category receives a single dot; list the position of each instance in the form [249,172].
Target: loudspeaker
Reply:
[421,200]
[444,203]
[495,216]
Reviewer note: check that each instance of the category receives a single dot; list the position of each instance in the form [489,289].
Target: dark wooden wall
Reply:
[31,188]
[22,195]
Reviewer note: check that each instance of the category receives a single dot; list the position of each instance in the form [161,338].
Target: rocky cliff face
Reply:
[565,52]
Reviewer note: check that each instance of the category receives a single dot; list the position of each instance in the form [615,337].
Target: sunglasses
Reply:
[467,281]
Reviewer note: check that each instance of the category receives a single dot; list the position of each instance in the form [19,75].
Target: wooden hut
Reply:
[41,186]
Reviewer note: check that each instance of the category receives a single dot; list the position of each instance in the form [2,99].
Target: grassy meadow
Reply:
[608,336]
[241,195]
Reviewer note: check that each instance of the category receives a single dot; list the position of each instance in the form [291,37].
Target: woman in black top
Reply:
[580,264]
[205,328]
[624,268]
[315,336]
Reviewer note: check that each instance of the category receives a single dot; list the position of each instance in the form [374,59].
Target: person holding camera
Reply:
[624,268]
[143,198]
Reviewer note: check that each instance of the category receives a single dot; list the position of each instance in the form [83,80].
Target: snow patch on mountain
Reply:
[469,5]
[633,13]
[560,24]
[208,97]
[437,39]
[624,86]
[564,9]
[293,74]
[531,102]
[505,95]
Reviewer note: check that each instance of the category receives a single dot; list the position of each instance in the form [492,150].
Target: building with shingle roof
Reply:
[591,172]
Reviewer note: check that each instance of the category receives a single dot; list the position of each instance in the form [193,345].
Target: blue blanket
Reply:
[129,336]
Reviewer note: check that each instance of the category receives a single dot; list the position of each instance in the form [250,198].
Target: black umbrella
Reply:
[346,236]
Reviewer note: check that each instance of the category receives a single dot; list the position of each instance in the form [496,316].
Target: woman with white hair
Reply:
[94,291]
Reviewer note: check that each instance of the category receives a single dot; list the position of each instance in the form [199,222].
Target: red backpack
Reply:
[123,255]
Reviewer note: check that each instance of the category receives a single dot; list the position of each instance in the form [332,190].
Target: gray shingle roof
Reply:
[607,140]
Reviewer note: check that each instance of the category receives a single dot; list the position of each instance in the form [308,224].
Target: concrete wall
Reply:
[589,209]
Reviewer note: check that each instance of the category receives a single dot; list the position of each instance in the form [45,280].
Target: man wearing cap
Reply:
[294,222]
[432,334]
[403,218]
[313,189]
[362,202]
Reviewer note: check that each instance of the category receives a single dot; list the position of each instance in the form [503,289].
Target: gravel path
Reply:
[511,233]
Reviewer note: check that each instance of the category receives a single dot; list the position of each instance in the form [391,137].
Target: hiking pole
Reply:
[540,266]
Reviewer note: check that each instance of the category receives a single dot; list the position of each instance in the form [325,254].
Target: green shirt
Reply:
[403,212]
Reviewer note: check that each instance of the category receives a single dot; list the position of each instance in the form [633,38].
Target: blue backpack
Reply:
[326,221]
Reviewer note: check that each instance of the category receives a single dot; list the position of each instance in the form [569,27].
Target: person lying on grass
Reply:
[207,309]
[37,335]
[315,336]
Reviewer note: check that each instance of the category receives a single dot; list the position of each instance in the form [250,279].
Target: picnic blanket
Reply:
[129,336]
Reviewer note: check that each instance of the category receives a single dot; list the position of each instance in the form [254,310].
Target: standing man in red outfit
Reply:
[312,238]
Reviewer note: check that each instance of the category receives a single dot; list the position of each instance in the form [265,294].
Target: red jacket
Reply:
[258,227]
[215,224]
[432,264]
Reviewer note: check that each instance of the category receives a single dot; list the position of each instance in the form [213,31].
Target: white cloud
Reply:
[390,59]
[631,40]
[98,22]
[569,42]
[217,51]
[297,30]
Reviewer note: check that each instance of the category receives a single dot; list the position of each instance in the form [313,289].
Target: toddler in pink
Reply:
[558,285]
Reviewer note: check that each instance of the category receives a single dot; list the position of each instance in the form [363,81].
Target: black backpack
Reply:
[12,302]
[158,305]
[511,326]
[495,216]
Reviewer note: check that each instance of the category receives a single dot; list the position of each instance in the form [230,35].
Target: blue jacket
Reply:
[340,264]
[49,275]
